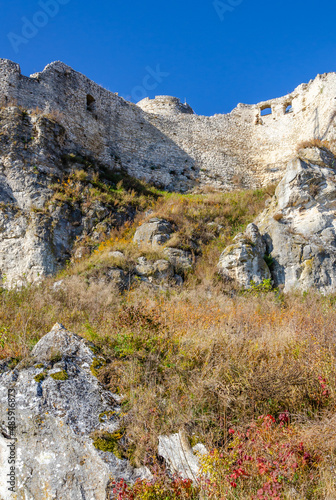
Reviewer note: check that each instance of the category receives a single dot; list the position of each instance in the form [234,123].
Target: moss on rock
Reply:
[40,377]
[61,375]
[106,441]
[96,364]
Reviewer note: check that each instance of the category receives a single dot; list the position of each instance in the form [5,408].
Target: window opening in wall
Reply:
[289,109]
[90,103]
[266,111]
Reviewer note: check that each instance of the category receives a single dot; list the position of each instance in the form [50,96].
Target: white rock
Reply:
[180,457]
[155,232]
[243,261]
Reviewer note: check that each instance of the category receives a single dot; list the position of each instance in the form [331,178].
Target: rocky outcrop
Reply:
[243,262]
[153,233]
[62,415]
[298,229]
[38,232]
[181,259]
[162,141]
[56,121]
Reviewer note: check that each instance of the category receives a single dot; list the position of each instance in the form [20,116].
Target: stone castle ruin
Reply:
[163,141]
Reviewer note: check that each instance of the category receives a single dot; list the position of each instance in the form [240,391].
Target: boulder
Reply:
[159,270]
[243,261]
[180,259]
[59,406]
[155,232]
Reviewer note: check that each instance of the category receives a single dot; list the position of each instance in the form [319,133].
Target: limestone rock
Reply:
[317,156]
[180,457]
[154,232]
[117,255]
[299,227]
[158,270]
[180,259]
[119,278]
[59,403]
[63,122]
[298,231]
[243,261]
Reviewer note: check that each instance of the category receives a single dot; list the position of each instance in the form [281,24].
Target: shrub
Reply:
[161,487]
[266,461]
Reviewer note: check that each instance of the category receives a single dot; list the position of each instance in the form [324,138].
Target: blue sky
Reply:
[241,51]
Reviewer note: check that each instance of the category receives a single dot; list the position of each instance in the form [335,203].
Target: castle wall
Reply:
[246,148]
[162,141]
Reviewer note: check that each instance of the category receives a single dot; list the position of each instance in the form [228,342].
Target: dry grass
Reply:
[317,143]
[197,359]
[188,360]
[205,224]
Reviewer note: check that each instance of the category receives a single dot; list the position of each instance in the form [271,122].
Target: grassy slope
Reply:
[201,359]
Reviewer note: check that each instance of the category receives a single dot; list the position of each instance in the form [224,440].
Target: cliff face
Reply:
[295,235]
[37,230]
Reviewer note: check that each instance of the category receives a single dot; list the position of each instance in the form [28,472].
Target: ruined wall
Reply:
[101,123]
[246,148]
[163,141]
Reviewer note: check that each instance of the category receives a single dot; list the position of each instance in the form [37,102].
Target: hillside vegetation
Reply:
[250,375]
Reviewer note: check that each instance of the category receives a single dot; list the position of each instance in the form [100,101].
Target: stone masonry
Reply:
[163,141]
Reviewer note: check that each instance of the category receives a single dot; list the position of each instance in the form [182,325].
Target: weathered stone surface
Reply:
[165,105]
[161,140]
[298,231]
[154,232]
[180,457]
[119,278]
[180,259]
[299,227]
[159,270]
[55,418]
[77,118]
[243,262]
